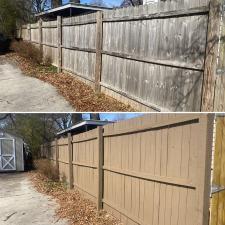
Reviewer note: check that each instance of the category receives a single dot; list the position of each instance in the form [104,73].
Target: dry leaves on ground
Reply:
[72,205]
[80,95]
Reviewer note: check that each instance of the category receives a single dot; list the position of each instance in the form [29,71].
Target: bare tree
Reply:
[100,3]
[57,3]
[40,5]
[126,3]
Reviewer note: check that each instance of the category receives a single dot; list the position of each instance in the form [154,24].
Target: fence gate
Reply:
[218,183]
[7,154]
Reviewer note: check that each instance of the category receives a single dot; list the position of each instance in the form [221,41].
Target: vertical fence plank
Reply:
[140,182]
[59,28]
[99,40]
[211,56]
[40,35]
[29,32]
[70,149]
[100,169]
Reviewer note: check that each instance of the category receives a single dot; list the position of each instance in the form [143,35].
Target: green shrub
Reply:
[45,167]
[27,50]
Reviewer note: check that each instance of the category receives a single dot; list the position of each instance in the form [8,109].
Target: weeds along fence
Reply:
[150,170]
[160,57]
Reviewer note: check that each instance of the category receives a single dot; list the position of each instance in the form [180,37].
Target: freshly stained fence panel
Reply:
[150,170]
[63,159]
[85,156]
[52,152]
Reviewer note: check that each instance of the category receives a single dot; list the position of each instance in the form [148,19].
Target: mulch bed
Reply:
[72,206]
[80,95]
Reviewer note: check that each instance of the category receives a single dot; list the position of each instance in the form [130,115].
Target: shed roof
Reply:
[84,126]
[70,9]
[10,134]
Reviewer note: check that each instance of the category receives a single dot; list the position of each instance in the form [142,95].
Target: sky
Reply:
[115,116]
[107,2]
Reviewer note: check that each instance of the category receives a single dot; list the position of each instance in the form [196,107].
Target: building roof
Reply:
[70,9]
[4,133]
[84,126]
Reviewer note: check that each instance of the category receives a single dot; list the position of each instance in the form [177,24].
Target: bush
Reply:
[27,50]
[45,167]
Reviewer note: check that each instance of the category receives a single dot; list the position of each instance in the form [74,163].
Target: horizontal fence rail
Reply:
[160,52]
[150,170]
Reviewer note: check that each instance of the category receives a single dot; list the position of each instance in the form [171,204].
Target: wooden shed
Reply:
[11,152]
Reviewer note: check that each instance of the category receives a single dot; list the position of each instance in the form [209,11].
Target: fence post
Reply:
[70,151]
[56,154]
[59,28]
[209,83]
[100,168]
[99,40]
[40,34]
[203,168]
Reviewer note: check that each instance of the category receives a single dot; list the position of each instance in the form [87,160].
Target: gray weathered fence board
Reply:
[170,88]
[154,54]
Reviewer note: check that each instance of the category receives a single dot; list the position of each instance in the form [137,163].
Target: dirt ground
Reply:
[21,204]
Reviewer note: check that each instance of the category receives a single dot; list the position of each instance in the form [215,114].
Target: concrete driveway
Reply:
[20,204]
[20,93]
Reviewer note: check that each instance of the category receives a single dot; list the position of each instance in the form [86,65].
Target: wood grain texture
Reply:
[218,199]
[151,55]
[213,37]
[151,170]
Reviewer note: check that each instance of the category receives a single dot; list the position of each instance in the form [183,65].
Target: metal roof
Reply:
[69,6]
[84,123]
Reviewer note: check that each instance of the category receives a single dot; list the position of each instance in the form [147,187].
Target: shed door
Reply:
[7,154]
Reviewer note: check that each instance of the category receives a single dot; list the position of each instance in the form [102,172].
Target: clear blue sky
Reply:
[107,2]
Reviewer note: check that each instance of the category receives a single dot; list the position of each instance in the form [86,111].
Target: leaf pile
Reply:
[80,95]
[72,206]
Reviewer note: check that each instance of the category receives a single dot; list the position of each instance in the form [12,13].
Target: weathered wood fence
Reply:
[150,170]
[161,57]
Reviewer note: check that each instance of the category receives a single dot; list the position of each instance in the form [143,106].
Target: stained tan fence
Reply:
[150,170]
[164,53]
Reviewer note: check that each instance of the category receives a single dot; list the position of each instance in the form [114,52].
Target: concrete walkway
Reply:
[20,93]
[20,204]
